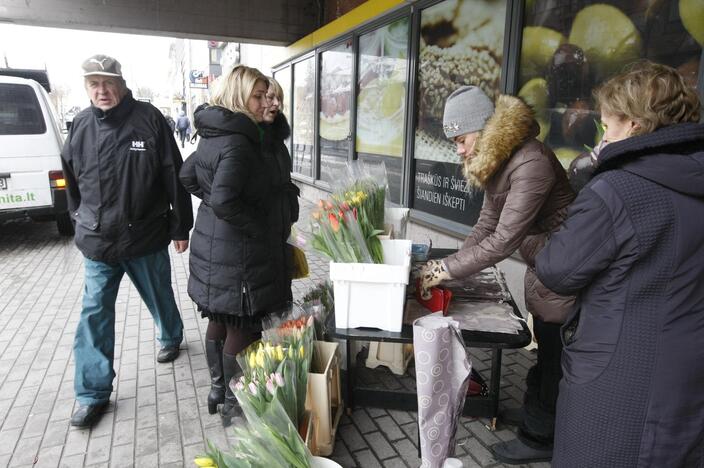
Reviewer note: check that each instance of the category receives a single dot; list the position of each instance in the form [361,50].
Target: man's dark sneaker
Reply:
[168,353]
[512,416]
[88,414]
[515,452]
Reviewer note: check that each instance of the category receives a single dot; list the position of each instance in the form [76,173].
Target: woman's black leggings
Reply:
[236,339]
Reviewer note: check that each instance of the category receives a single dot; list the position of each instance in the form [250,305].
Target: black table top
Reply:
[475,339]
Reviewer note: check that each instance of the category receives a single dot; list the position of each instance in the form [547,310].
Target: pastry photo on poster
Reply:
[461,44]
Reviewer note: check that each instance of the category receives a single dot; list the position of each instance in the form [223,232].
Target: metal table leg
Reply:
[495,385]
[351,371]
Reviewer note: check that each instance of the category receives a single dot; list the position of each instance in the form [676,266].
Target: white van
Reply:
[31,180]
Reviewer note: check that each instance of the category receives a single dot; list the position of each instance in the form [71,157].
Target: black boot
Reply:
[213,354]
[230,408]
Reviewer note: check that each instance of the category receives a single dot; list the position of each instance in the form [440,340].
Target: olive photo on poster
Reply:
[569,47]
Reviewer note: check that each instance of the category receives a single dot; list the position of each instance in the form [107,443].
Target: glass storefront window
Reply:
[334,124]
[569,47]
[283,77]
[461,44]
[381,100]
[303,116]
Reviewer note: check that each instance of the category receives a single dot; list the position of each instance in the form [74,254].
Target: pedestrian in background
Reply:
[632,248]
[526,194]
[236,277]
[183,127]
[121,164]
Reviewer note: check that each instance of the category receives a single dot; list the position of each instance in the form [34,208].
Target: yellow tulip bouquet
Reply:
[295,336]
[272,394]
[269,374]
[346,226]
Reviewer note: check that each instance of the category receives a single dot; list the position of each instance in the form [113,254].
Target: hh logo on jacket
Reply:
[137,146]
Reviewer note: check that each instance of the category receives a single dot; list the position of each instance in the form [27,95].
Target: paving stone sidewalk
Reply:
[158,414]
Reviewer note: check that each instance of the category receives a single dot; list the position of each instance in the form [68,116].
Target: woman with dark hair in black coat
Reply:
[283,202]
[238,273]
[632,247]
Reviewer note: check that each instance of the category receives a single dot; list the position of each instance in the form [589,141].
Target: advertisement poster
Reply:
[461,44]
[441,189]
[381,102]
[569,47]
[303,105]
[335,93]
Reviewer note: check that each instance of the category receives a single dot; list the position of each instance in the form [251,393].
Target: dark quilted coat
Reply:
[283,201]
[632,246]
[237,266]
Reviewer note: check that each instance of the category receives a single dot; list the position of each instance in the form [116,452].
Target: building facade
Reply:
[372,84]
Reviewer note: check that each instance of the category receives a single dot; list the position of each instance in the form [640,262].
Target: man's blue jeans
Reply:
[94,343]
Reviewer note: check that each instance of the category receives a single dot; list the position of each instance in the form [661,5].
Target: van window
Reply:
[20,113]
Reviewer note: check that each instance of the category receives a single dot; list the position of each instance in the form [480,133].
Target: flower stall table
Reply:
[483,406]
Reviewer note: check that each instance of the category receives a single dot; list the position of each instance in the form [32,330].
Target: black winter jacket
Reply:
[632,247]
[236,262]
[283,202]
[124,195]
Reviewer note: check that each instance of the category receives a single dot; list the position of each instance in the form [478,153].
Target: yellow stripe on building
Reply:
[345,23]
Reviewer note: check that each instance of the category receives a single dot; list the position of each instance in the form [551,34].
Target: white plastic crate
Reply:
[373,295]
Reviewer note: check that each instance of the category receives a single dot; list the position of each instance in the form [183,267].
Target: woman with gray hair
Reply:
[526,194]
[234,279]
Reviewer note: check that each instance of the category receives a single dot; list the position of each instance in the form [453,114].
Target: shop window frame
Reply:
[513,27]
[301,58]
[386,20]
[328,46]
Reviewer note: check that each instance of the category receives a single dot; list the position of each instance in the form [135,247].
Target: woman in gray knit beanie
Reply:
[526,194]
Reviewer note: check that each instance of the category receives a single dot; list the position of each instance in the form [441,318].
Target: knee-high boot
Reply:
[213,354]
[230,408]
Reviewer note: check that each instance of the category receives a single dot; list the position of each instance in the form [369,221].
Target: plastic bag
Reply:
[300,264]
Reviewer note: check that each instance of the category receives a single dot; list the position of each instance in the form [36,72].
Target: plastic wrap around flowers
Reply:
[271,393]
[346,226]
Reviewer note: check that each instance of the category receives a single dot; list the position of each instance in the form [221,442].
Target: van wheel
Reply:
[64,224]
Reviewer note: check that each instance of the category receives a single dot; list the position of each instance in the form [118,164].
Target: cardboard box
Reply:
[324,398]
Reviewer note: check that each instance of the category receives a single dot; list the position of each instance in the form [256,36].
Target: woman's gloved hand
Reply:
[432,274]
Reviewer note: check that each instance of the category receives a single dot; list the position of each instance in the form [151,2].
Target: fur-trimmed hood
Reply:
[511,125]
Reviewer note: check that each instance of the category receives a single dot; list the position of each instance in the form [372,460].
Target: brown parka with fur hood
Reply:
[526,194]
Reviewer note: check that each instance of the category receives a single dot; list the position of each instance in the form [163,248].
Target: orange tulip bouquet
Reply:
[346,226]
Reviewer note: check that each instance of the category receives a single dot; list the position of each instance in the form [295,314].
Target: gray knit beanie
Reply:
[466,111]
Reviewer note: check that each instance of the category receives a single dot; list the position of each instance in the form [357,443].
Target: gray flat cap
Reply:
[466,111]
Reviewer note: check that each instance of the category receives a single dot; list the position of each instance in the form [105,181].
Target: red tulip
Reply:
[345,206]
[328,205]
[334,223]
[354,212]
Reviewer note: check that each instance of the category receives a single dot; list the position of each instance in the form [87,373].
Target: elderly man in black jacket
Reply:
[121,164]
